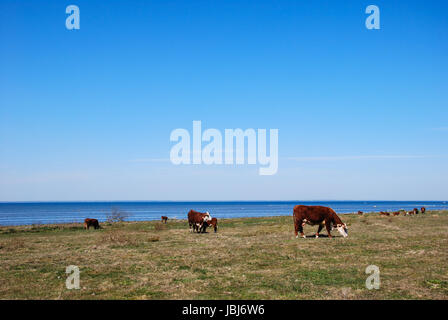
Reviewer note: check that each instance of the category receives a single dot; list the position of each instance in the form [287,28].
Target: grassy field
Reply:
[249,258]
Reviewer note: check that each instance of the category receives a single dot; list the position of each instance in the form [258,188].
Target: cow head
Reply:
[207,216]
[342,228]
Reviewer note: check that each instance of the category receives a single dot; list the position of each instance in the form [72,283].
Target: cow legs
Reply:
[298,227]
[328,227]
[318,230]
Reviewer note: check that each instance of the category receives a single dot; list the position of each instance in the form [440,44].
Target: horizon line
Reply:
[192,201]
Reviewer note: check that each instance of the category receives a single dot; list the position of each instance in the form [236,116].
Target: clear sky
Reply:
[87,114]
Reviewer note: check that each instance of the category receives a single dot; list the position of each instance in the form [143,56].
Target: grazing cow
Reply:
[410,213]
[360,213]
[317,215]
[164,219]
[213,222]
[196,220]
[415,211]
[384,213]
[423,209]
[396,213]
[91,222]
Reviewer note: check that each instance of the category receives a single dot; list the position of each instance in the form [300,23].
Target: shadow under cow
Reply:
[322,236]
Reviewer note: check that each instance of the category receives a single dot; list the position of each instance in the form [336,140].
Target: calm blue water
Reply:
[60,212]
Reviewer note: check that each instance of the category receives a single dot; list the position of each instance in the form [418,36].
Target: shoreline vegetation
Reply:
[248,258]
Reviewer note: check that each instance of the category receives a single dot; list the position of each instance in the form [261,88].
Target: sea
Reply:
[28,213]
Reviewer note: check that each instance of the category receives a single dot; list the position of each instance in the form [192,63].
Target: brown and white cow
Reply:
[317,215]
[423,209]
[212,223]
[415,211]
[396,213]
[164,219]
[91,223]
[196,220]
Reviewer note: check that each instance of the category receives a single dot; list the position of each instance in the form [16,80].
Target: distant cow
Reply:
[360,213]
[164,219]
[196,220]
[396,213]
[423,209]
[91,222]
[213,222]
[317,215]
[384,213]
[415,211]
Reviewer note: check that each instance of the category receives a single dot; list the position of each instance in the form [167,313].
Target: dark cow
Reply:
[212,223]
[360,213]
[423,209]
[164,219]
[196,220]
[91,223]
[317,215]
[415,211]
[384,213]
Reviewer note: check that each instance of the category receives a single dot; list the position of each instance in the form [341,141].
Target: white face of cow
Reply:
[342,228]
[207,217]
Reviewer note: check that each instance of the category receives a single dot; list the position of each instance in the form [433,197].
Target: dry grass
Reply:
[249,258]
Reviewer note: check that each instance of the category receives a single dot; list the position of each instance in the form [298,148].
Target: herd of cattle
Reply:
[397,213]
[198,222]
[311,215]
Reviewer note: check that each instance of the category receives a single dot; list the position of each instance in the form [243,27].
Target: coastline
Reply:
[41,213]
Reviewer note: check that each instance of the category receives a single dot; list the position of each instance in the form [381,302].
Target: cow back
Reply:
[315,214]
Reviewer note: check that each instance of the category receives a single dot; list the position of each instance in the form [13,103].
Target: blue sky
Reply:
[87,114]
